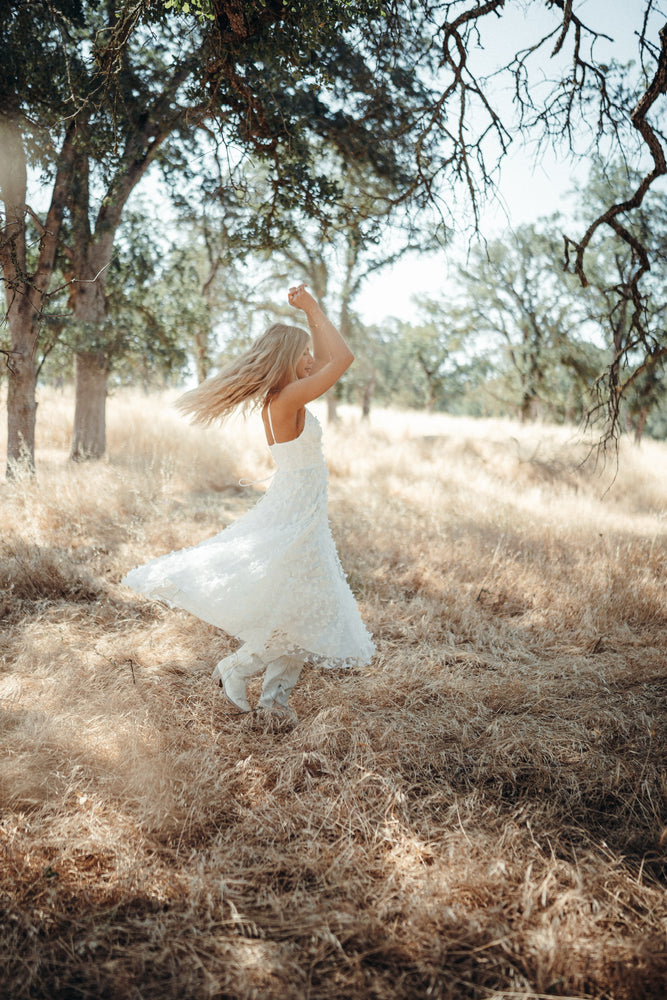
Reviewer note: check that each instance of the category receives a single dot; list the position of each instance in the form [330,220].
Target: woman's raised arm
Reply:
[327,341]
[331,355]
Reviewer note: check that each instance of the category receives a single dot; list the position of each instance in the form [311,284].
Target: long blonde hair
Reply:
[267,365]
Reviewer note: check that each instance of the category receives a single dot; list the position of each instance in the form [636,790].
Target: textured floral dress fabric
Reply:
[273,578]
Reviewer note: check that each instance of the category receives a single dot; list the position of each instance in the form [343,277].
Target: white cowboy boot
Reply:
[281,676]
[232,674]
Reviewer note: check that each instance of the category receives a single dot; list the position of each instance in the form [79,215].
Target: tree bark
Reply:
[202,356]
[332,406]
[89,438]
[367,397]
[91,364]
[25,292]
[21,403]
[344,325]
[92,252]
[640,424]
[530,406]
[21,316]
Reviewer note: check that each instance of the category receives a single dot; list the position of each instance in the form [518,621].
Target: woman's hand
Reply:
[300,298]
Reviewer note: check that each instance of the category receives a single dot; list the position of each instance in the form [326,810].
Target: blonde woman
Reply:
[272,579]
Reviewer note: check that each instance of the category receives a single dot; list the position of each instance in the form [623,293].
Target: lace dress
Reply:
[273,578]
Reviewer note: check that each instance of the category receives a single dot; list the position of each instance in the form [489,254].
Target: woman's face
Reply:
[304,364]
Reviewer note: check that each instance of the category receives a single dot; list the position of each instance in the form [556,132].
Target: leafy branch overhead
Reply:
[459,133]
[402,93]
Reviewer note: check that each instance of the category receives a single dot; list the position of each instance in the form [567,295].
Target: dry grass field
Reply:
[480,813]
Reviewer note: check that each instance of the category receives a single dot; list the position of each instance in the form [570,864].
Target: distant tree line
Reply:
[510,334]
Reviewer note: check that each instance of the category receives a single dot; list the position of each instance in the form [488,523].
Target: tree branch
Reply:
[630,291]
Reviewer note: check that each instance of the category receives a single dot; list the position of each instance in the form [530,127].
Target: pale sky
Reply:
[527,189]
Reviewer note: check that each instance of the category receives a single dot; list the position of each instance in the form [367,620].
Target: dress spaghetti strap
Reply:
[273,433]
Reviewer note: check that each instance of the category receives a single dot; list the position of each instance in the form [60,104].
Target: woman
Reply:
[273,579]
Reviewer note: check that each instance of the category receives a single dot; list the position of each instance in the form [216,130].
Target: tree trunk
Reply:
[367,397]
[23,302]
[640,424]
[89,439]
[527,408]
[332,406]
[25,292]
[92,374]
[202,357]
[430,399]
[21,406]
[92,252]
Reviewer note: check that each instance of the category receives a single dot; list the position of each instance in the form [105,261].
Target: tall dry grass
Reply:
[479,814]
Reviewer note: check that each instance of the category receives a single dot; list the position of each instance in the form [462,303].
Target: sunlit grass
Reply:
[480,813]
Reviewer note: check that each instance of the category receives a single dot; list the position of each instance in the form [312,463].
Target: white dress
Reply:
[273,578]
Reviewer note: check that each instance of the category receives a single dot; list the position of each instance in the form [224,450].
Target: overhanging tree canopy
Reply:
[126,90]
[460,132]
[401,87]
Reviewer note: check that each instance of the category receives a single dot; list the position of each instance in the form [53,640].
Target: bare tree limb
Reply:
[630,290]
